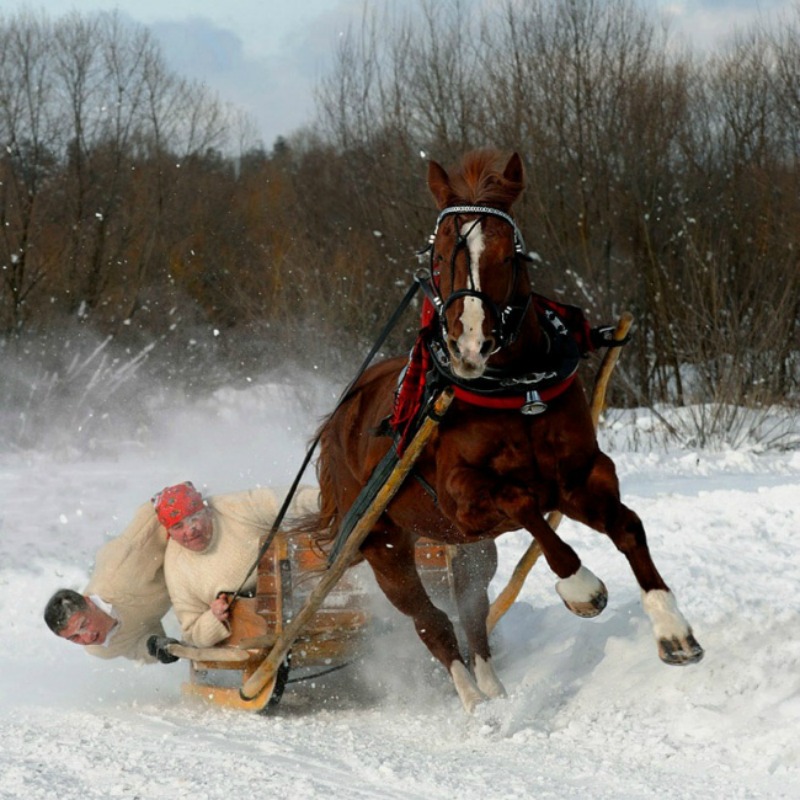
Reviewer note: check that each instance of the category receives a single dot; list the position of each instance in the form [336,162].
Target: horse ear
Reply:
[514,172]
[439,184]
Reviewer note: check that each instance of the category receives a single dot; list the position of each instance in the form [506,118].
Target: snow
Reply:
[591,711]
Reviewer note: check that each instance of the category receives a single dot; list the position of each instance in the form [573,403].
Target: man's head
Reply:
[75,617]
[181,510]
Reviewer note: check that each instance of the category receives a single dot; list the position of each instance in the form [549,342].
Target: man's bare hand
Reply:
[220,608]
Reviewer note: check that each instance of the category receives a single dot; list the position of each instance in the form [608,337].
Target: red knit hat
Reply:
[176,503]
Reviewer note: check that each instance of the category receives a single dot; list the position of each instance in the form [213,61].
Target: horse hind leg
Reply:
[473,567]
[396,574]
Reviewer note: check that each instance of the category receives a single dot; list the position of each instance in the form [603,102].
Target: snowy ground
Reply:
[591,712]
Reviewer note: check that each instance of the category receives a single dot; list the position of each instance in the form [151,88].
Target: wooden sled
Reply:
[287,574]
[335,635]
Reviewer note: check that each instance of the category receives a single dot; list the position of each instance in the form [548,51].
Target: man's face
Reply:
[194,532]
[90,626]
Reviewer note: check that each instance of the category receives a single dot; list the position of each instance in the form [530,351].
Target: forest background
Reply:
[146,233]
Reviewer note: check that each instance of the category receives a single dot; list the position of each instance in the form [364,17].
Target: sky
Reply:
[266,56]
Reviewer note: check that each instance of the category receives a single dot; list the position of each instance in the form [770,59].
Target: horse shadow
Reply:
[546,656]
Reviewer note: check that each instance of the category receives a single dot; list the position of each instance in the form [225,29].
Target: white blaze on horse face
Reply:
[470,361]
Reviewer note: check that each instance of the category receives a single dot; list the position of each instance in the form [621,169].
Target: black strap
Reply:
[603,336]
[404,303]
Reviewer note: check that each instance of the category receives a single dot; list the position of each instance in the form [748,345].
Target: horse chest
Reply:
[503,445]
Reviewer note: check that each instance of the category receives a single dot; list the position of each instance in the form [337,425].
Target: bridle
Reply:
[508,319]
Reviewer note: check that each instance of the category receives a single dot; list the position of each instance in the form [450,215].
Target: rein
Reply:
[404,303]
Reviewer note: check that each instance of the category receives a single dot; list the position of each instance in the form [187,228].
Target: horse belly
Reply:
[414,510]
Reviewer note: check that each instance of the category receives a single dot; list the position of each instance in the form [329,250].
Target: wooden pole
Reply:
[264,674]
[506,598]
[226,654]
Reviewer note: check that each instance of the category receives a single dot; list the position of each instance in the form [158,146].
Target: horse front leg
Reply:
[582,592]
[477,504]
[473,567]
[390,553]
[597,504]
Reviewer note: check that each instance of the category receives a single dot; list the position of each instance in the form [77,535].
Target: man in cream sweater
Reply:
[178,542]
[212,546]
[125,599]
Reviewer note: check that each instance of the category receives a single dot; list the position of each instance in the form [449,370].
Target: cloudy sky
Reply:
[266,55]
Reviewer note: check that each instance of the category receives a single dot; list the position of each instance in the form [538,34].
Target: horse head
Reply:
[481,286]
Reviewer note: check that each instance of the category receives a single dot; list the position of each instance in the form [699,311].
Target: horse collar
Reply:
[529,392]
[531,403]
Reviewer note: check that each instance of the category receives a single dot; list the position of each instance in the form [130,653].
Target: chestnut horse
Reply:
[487,471]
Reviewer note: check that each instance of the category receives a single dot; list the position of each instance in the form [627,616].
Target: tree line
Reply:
[659,179]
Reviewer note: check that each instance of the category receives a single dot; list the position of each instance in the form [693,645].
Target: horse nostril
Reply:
[487,346]
[452,343]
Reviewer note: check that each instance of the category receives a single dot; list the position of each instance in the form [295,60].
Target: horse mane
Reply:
[480,181]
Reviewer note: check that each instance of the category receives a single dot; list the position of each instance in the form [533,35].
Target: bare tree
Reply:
[657,180]
[30,150]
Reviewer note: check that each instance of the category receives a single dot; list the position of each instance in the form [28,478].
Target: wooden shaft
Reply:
[607,367]
[267,669]
[506,598]
[227,654]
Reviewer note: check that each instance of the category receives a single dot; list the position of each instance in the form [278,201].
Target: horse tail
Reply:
[320,526]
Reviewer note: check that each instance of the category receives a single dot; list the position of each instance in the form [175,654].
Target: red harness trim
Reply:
[511,401]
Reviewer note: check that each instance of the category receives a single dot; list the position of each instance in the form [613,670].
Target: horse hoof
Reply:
[590,609]
[467,689]
[584,594]
[679,653]
[486,678]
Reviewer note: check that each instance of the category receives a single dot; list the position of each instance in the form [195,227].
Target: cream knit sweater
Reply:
[129,576]
[194,579]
